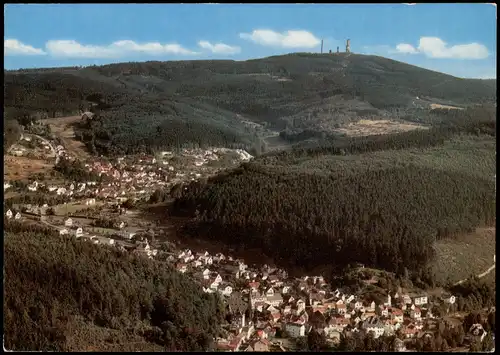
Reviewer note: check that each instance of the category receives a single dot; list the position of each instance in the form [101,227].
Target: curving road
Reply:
[46,141]
[490,269]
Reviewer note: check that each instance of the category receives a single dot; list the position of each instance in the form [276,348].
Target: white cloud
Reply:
[434,47]
[15,47]
[287,39]
[219,48]
[73,49]
[406,48]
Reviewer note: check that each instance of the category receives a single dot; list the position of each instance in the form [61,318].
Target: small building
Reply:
[79,232]
[295,330]
[63,231]
[68,222]
[9,214]
[17,216]
[88,116]
[420,300]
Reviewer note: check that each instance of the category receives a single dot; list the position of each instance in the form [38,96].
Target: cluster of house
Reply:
[272,301]
[141,247]
[203,156]
[9,214]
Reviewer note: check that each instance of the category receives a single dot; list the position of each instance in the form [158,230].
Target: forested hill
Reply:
[382,200]
[138,102]
[62,294]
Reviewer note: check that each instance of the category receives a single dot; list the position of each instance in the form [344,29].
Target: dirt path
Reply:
[490,269]
[63,127]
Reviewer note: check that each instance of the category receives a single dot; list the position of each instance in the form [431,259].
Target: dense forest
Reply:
[154,105]
[336,211]
[62,294]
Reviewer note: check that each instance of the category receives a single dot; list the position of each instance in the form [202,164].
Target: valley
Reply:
[337,197]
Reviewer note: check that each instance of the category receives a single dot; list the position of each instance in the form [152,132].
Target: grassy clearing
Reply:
[470,254]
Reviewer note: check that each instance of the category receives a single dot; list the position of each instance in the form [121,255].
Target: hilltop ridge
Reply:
[243,103]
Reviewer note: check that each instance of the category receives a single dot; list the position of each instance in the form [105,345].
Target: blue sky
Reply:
[458,39]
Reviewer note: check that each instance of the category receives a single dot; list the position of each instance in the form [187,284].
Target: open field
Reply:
[375,127]
[74,207]
[63,128]
[436,106]
[470,254]
[18,168]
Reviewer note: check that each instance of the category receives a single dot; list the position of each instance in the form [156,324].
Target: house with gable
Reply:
[68,222]
[336,323]
[254,286]
[374,325]
[226,290]
[258,345]
[270,292]
[416,313]
[301,305]
[275,299]
[295,329]
[341,308]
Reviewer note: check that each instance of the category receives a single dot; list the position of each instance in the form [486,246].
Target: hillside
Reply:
[382,201]
[240,104]
[62,294]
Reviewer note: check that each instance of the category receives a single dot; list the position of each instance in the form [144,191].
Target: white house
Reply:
[406,299]
[285,290]
[449,299]
[420,300]
[79,232]
[388,302]
[416,313]
[6,185]
[17,216]
[8,214]
[121,225]
[301,305]
[373,325]
[227,290]
[197,263]
[218,279]
[63,231]
[206,274]
[68,222]
[61,191]
[295,330]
